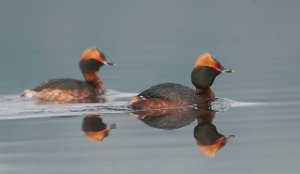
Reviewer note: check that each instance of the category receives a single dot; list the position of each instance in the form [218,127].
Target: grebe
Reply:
[72,90]
[167,95]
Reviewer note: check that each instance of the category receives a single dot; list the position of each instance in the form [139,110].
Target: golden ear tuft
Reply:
[205,59]
[91,53]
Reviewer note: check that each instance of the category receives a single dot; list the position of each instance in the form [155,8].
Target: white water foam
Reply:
[224,104]
[15,107]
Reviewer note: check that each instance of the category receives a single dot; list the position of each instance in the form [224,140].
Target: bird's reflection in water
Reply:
[95,129]
[166,118]
[208,139]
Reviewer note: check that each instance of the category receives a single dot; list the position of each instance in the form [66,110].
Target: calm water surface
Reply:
[151,42]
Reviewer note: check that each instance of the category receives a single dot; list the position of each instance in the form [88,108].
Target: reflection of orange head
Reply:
[211,150]
[96,136]
[208,139]
[94,128]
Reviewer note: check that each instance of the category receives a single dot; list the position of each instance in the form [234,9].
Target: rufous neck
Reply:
[205,94]
[93,77]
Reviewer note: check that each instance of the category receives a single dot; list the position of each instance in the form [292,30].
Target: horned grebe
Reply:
[168,95]
[72,90]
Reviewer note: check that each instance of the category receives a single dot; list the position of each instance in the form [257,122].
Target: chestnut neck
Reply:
[93,78]
[205,94]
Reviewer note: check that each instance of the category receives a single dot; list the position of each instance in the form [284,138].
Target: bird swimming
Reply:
[166,95]
[67,90]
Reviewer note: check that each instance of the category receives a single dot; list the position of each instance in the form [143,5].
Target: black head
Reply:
[203,77]
[91,65]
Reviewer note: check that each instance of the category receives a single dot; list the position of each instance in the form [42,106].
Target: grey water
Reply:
[151,42]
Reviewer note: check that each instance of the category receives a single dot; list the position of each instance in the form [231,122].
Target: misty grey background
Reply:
[153,42]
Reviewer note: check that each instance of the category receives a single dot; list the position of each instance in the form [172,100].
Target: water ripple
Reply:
[15,107]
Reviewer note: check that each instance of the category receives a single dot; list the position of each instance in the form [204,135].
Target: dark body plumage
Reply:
[163,96]
[65,84]
[170,92]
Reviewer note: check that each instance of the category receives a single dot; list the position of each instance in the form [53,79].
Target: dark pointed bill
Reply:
[227,70]
[222,69]
[109,63]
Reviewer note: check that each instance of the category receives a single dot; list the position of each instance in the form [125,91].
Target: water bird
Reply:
[166,95]
[66,90]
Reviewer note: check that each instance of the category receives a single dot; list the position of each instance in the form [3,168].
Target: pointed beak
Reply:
[227,70]
[222,69]
[103,60]
[109,63]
